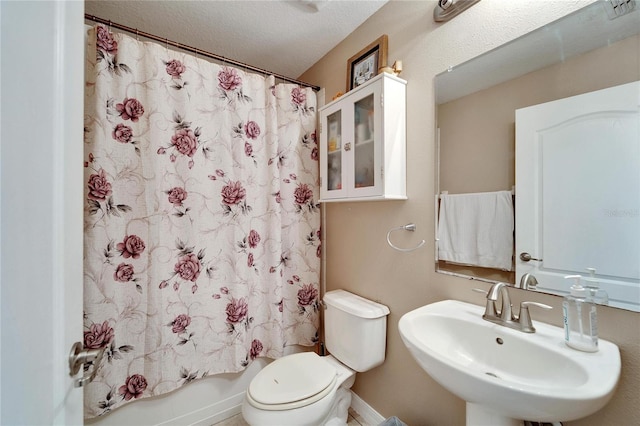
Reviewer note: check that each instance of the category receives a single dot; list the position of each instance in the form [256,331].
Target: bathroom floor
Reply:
[237,420]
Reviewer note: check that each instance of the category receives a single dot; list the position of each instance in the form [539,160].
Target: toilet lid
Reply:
[292,378]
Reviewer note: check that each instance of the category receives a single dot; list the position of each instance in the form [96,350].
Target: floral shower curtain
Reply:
[202,247]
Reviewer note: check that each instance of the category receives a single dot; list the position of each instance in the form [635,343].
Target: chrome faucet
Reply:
[505,316]
[528,282]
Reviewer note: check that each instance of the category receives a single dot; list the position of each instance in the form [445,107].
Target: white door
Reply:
[578,191]
[42,59]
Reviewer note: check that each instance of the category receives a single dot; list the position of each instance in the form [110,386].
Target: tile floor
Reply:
[237,420]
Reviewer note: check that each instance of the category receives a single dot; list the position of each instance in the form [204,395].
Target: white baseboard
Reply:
[232,406]
[368,415]
[211,414]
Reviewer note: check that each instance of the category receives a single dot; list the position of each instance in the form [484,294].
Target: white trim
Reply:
[368,414]
[232,406]
[67,81]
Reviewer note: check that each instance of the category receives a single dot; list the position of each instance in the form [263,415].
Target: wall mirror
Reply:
[587,51]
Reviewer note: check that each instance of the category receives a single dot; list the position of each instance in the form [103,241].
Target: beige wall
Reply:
[358,258]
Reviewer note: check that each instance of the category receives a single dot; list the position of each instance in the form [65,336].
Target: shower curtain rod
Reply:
[196,51]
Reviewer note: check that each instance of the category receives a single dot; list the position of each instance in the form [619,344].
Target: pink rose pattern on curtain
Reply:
[202,233]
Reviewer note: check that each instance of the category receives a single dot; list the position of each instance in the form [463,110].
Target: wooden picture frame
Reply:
[367,63]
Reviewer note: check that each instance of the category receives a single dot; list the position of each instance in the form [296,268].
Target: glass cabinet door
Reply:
[362,143]
[334,151]
[364,152]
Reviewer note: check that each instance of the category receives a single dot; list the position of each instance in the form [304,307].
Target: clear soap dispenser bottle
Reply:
[580,320]
[594,292]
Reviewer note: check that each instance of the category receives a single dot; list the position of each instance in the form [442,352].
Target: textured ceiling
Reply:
[285,37]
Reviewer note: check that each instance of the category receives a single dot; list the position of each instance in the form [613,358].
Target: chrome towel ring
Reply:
[408,227]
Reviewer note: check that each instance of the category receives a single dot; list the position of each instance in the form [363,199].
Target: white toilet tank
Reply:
[355,329]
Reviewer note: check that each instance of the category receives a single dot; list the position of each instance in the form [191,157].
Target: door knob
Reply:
[525,257]
[79,356]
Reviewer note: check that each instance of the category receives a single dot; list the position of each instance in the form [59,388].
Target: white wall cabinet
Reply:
[363,143]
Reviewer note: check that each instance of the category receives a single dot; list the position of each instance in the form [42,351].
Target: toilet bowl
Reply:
[306,389]
[303,389]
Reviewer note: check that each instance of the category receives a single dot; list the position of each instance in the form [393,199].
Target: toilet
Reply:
[305,389]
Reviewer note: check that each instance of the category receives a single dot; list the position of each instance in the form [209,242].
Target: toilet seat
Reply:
[292,381]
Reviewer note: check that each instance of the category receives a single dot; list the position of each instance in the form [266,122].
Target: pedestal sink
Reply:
[505,375]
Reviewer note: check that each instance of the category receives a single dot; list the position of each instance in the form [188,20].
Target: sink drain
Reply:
[492,375]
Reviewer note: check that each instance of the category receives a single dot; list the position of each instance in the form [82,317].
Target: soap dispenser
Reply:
[580,320]
[594,292]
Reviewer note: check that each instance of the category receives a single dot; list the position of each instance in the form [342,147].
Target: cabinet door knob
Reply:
[347,146]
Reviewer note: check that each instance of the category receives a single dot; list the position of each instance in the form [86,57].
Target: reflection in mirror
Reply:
[578,185]
[476,102]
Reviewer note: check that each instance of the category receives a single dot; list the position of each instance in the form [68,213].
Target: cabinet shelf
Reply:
[363,143]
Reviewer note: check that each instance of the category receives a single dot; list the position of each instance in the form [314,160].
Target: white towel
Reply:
[477,229]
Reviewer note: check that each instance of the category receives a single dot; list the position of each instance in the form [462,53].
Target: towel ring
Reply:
[408,227]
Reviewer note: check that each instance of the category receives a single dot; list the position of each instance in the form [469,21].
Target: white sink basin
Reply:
[514,374]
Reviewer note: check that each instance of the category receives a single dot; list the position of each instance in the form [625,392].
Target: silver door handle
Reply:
[79,356]
[525,257]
